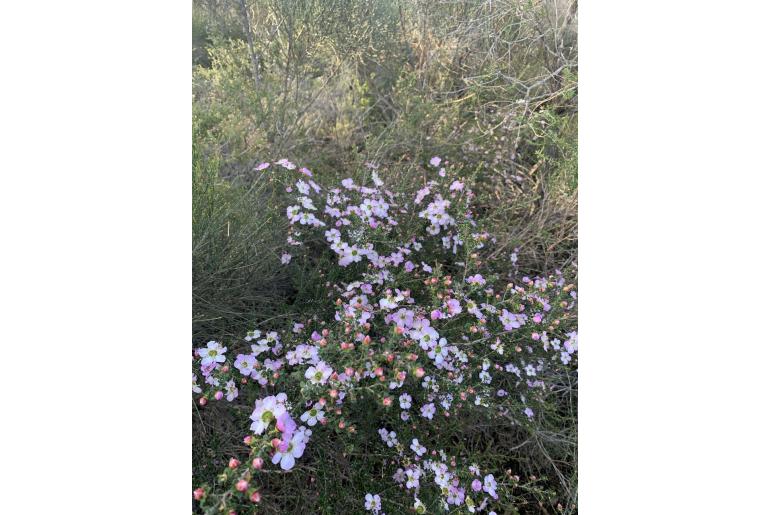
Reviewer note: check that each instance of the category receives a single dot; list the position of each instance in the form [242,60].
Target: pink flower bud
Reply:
[218,396]
[419,372]
[256,497]
[202,401]
[387,401]
[257,463]
[233,463]
[535,336]
[248,439]
[198,494]
[242,485]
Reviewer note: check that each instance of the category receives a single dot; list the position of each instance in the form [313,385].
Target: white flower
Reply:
[318,374]
[232,390]
[253,335]
[372,503]
[313,415]
[195,387]
[294,450]
[418,449]
[265,411]
[213,352]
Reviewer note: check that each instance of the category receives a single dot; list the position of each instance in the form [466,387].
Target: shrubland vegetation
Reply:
[384,256]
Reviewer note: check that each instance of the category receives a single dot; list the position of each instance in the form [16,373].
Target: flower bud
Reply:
[242,485]
[233,463]
[248,439]
[198,494]
[218,396]
[202,401]
[257,463]
[256,497]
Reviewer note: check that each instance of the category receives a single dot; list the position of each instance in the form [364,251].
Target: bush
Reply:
[432,377]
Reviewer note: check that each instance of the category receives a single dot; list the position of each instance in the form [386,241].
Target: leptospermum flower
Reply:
[285,258]
[490,485]
[313,415]
[318,374]
[265,411]
[511,321]
[476,279]
[195,387]
[405,401]
[293,450]
[372,503]
[418,449]
[388,437]
[213,352]
[428,410]
[245,363]
[232,390]
[413,477]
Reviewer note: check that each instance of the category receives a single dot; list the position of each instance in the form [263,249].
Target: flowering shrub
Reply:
[420,332]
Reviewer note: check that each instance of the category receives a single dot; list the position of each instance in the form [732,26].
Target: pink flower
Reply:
[242,485]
